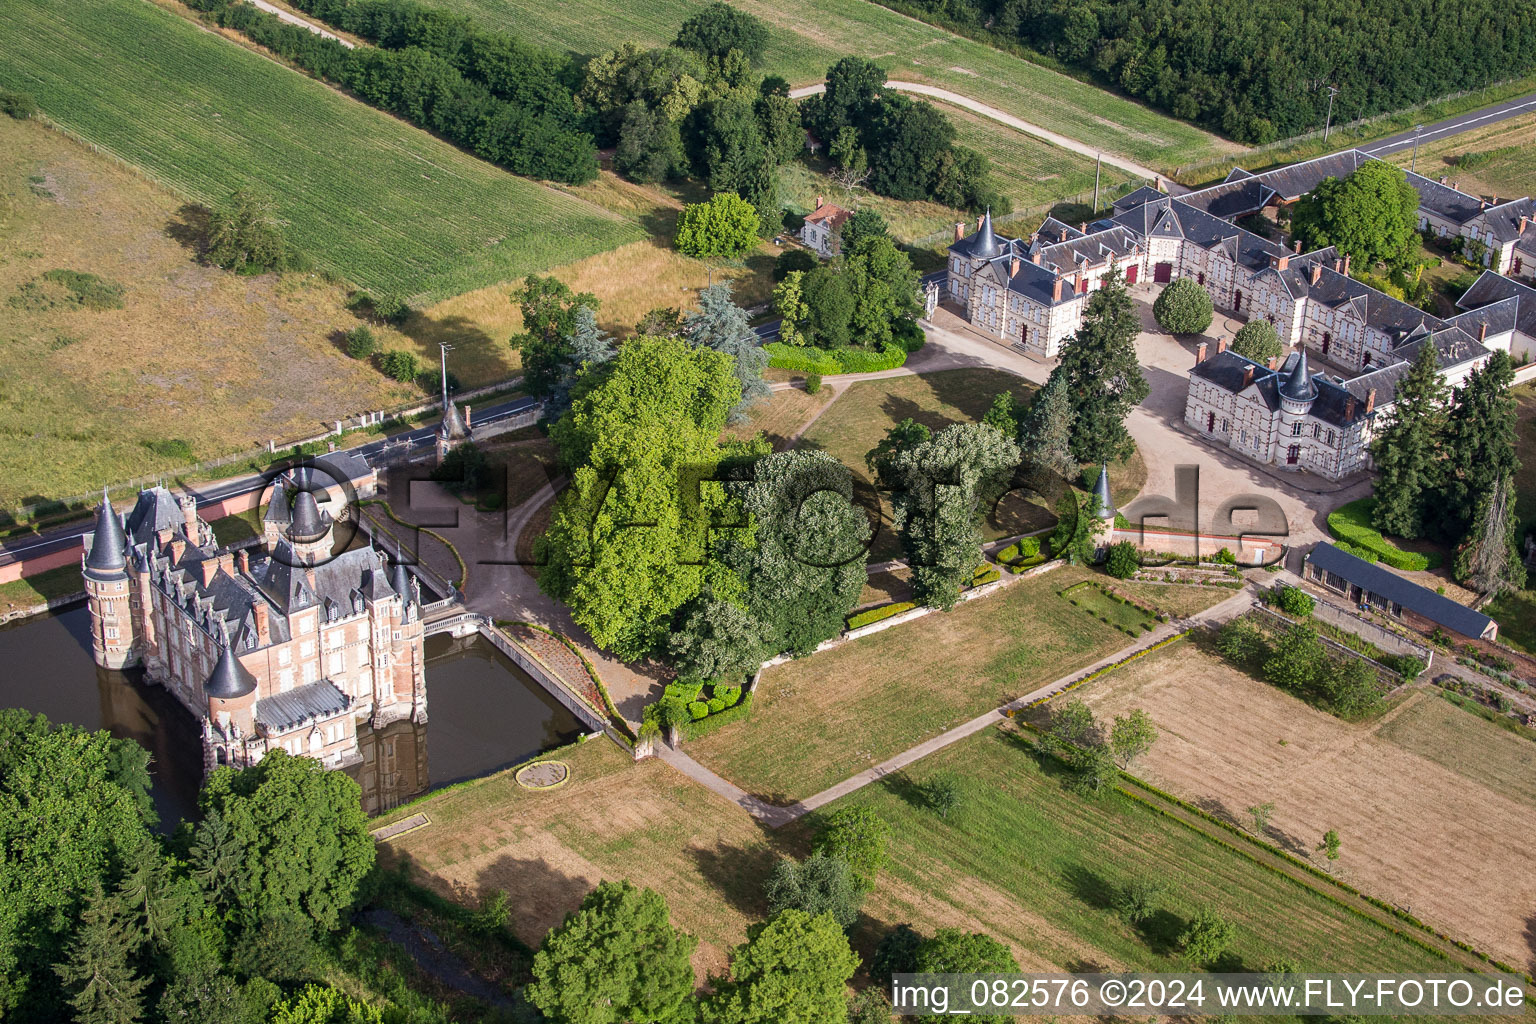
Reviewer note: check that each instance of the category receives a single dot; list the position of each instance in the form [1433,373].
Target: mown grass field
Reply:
[1509,175]
[375,201]
[809,36]
[1022,859]
[818,720]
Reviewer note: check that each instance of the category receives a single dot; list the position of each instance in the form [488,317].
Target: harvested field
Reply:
[1431,802]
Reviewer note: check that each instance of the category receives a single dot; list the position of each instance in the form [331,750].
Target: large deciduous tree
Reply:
[820,884]
[955,951]
[1371,215]
[858,836]
[803,565]
[1259,341]
[717,640]
[1102,375]
[616,959]
[549,309]
[1184,307]
[937,505]
[720,28]
[616,549]
[794,968]
[722,228]
[304,836]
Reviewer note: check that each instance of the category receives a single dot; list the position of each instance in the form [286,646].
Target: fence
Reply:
[1390,678]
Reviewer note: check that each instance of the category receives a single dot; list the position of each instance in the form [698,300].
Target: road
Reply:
[294,19]
[1454,125]
[70,536]
[1003,117]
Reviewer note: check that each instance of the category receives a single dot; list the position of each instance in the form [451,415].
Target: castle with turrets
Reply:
[290,648]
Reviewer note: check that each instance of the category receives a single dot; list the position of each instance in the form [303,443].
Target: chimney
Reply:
[1056,291]
[1298,247]
[189,516]
[1349,408]
[1346,264]
[1442,179]
[207,569]
[1283,262]
[162,538]
[1338,265]
[1317,272]
[820,202]
[1035,259]
[245,561]
[1221,344]
[1200,353]
[227,563]
[466,418]
[1013,267]
[178,548]
[1482,331]
[1523,221]
[1370,401]
[1083,227]
[1247,375]
[959,231]
[263,629]
[1274,362]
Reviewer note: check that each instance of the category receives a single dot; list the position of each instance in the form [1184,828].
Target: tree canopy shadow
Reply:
[738,874]
[1161,931]
[189,227]
[1091,887]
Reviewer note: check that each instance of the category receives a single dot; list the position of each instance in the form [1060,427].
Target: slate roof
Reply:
[1383,381]
[1298,386]
[1453,346]
[1492,288]
[277,507]
[282,712]
[229,679]
[1435,607]
[453,427]
[1295,180]
[1504,220]
[983,243]
[309,523]
[109,545]
[1446,202]
[1329,401]
[155,510]
[1103,504]
[1131,200]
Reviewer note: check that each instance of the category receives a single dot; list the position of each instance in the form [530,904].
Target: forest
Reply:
[1259,72]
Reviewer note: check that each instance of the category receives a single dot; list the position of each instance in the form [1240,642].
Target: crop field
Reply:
[809,36]
[1503,165]
[375,201]
[1429,800]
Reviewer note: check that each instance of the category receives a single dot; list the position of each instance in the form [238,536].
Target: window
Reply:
[306,648]
[111,632]
[335,638]
[285,680]
[1296,429]
[311,671]
[285,655]
[338,664]
[1225,426]
[1330,438]
[1317,430]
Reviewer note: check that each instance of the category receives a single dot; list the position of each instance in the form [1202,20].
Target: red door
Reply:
[1210,422]
[1293,455]
[1162,273]
[1237,301]
[1130,271]
[1327,340]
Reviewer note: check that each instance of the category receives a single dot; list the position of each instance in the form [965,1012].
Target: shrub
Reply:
[1137,900]
[1294,601]
[858,836]
[1225,557]
[1183,308]
[909,334]
[698,709]
[1123,560]
[864,618]
[722,228]
[716,704]
[896,954]
[729,694]
[361,343]
[1206,936]
[812,383]
[807,359]
[399,365]
[391,309]
[19,105]
[172,448]
[245,236]
[1352,524]
[1259,341]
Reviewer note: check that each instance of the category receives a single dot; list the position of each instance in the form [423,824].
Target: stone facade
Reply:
[822,227]
[290,649]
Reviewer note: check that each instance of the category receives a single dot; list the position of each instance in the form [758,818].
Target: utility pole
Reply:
[444,347]
[1418,130]
[1328,124]
[1098,163]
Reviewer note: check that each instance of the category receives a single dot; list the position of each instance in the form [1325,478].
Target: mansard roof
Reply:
[1490,288]
[155,510]
[294,587]
[282,712]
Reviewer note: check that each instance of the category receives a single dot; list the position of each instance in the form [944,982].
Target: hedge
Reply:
[806,359]
[1351,524]
[708,724]
[1110,668]
[885,611]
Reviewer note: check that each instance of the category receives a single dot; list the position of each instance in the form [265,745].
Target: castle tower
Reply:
[108,590]
[310,531]
[1297,392]
[231,693]
[278,515]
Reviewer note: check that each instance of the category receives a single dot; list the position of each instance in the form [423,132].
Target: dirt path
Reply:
[1003,117]
[294,19]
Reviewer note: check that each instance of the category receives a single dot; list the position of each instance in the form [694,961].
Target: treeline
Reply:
[488,93]
[1257,72]
[901,148]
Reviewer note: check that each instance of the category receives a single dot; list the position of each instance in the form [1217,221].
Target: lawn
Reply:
[365,196]
[1430,801]
[780,418]
[45,586]
[820,719]
[233,529]
[1122,615]
[808,36]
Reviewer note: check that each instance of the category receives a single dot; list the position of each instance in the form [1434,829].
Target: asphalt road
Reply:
[1454,125]
[395,445]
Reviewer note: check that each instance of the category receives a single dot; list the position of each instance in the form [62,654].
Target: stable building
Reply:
[1376,589]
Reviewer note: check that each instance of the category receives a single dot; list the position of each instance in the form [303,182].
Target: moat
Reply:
[484,713]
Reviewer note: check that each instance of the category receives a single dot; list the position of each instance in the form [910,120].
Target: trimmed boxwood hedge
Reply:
[1351,524]
[885,611]
[805,359]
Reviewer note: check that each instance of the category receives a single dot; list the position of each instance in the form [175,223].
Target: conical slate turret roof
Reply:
[228,679]
[1298,386]
[453,427]
[109,546]
[309,523]
[277,508]
[401,582]
[1103,506]
[987,245]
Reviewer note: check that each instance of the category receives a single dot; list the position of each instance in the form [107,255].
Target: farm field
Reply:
[366,197]
[1229,742]
[808,36]
[196,354]
[1022,859]
[1508,174]
[818,720]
